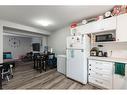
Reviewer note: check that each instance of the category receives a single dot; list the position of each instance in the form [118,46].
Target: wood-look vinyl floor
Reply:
[25,77]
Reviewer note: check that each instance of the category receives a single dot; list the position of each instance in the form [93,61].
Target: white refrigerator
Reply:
[78,48]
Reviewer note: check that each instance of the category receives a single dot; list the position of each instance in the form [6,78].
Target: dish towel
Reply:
[120,68]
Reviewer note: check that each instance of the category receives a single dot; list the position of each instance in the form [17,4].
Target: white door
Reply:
[77,65]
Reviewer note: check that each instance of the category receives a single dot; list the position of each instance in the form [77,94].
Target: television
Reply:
[36,46]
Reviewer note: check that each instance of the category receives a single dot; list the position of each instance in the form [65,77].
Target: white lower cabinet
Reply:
[120,82]
[100,73]
[61,64]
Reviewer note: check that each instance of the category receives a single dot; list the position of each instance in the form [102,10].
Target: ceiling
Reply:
[61,16]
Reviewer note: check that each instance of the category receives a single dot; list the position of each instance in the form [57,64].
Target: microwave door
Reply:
[100,38]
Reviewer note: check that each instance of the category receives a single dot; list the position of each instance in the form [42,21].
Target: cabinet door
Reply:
[105,25]
[108,24]
[97,26]
[61,67]
[120,82]
[121,32]
[89,28]
[86,29]
[81,29]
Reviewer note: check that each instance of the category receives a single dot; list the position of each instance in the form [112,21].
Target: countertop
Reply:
[111,59]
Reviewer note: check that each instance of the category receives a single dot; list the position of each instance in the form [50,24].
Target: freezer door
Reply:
[77,65]
[75,42]
[78,42]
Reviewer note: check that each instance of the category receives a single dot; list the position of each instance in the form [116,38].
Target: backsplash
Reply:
[117,50]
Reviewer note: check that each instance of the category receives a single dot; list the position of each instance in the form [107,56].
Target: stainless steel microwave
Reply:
[103,38]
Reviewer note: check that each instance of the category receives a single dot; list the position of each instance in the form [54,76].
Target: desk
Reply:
[0,77]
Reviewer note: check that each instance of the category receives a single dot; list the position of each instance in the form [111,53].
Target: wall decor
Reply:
[13,42]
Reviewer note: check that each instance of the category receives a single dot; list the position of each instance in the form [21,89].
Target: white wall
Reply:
[1,44]
[24,47]
[57,40]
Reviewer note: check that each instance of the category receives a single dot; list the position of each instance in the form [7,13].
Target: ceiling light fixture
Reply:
[44,22]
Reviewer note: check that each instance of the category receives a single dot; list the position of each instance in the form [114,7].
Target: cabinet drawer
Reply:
[100,70]
[106,77]
[100,82]
[100,64]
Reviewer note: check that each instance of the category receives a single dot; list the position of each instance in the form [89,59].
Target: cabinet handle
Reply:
[89,73]
[117,39]
[90,65]
[90,69]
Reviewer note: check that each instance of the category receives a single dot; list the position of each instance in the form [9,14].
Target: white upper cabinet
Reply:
[117,23]
[98,26]
[88,28]
[105,24]
[121,32]
[85,29]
